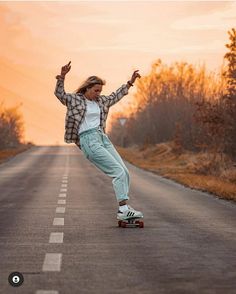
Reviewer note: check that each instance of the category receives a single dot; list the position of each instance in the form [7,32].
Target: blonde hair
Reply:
[89,83]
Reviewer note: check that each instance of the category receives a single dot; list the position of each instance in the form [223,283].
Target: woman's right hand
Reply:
[65,69]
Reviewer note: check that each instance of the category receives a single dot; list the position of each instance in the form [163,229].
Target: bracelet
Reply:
[60,77]
[130,83]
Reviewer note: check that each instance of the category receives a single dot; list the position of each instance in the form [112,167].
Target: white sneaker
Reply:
[129,213]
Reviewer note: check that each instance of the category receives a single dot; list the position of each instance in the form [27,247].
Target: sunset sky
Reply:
[110,39]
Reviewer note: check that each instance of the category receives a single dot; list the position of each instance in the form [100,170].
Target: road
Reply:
[58,228]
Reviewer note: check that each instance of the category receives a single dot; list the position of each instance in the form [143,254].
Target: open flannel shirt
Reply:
[76,108]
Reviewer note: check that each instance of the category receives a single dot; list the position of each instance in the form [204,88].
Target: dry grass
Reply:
[9,153]
[195,170]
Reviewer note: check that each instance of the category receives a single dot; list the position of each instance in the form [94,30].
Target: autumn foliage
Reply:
[11,127]
[186,104]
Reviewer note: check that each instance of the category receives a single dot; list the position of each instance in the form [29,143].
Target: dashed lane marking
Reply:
[62,195]
[58,221]
[60,210]
[47,292]
[52,262]
[56,237]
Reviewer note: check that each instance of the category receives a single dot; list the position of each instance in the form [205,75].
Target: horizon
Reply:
[40,37]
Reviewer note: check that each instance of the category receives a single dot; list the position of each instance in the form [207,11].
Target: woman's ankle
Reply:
[123,202]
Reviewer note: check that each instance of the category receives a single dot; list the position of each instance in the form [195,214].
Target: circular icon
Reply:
[15,279]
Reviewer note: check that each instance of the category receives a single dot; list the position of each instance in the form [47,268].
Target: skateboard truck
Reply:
[131,223]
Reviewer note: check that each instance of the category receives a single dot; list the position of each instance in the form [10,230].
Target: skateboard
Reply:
[131,222]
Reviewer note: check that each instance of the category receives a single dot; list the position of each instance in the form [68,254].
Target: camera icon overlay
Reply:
[15,279]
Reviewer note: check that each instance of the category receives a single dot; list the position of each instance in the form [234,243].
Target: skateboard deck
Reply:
[131,222]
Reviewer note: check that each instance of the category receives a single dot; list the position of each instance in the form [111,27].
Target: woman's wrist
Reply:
[61,77]
[130,84]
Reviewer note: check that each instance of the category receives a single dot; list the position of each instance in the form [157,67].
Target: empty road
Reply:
[58,228]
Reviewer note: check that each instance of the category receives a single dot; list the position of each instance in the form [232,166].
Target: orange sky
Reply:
[109,39]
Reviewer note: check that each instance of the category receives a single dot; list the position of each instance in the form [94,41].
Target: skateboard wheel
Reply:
[119,223]
[141,224]
[123,225]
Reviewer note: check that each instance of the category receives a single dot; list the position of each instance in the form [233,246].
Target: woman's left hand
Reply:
[135,76]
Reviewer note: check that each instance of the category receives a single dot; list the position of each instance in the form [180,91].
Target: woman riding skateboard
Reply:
[86,116]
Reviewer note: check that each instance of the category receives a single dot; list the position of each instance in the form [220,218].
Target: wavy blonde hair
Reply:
[89,83]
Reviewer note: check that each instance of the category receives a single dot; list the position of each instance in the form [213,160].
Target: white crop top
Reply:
[92,116]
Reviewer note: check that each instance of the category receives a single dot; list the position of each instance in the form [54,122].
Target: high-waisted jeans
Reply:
[98,149]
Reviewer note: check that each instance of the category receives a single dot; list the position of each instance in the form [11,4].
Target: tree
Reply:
[11,127]
[229,97]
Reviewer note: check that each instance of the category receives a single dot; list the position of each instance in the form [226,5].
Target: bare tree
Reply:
[229,97]
[11,127]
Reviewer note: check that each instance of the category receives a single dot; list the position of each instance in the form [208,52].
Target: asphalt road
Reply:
[58,228]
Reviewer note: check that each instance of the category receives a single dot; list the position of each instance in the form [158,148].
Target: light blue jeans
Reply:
[98,149]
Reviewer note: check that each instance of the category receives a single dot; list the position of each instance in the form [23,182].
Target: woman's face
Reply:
[94,92]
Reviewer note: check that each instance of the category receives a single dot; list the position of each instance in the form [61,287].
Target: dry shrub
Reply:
[211,164]
[229,174]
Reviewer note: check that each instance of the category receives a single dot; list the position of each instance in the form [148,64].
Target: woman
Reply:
[86,116]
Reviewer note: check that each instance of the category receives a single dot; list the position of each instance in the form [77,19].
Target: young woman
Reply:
[86,116]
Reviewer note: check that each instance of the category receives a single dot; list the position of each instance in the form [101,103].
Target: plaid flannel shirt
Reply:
[76,109]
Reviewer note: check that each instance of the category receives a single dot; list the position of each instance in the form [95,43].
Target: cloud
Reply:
[218,20]
[214,46]
[99,20]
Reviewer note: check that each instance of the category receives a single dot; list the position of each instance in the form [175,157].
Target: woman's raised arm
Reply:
[59,92]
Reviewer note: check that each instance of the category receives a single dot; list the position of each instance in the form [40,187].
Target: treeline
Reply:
[11,127]
[184,103]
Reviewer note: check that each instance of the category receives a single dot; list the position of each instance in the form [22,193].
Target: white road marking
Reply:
[65,181]
[58,221]
[62,201]
[62,195]
[56,237]
[60,210]
[52,262]
[63,190]
[63,185]
[47,292]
